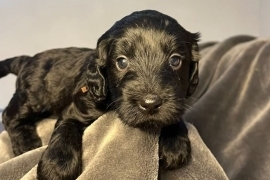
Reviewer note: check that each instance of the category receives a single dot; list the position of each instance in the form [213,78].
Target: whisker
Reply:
[112,103]
[193,98]
[189,107]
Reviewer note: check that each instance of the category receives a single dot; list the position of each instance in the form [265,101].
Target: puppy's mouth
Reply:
[150,111]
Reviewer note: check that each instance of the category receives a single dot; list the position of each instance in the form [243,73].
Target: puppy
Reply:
[144,67]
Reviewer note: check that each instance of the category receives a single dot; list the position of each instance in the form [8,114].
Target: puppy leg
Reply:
[63,157]
[174,146]
[19,120]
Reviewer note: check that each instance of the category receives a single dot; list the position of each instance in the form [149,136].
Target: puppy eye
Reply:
[121,63]
[175,61]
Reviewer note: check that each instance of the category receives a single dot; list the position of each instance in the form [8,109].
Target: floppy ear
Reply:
[96,79]
[194,67]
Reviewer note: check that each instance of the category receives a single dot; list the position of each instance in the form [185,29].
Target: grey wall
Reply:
[264,17]
[31,26]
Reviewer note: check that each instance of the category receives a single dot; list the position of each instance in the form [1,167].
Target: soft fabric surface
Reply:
[232,111]
[114,151]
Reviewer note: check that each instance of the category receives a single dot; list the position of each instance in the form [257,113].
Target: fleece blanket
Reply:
[231,106]
[112,150]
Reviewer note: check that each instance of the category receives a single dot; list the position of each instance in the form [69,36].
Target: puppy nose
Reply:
[150,103]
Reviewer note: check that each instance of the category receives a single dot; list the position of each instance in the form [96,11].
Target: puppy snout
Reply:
[150,103]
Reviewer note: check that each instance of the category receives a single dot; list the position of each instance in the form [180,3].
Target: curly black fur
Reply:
[148,93]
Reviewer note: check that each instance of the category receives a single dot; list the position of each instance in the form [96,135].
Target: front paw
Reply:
[63,157]
[20,146]
[57,166]
[174,148]
[24,141]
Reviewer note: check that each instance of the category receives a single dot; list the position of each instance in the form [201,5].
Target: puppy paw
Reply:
[20,149]
[22,144]
[59,163]
[62,158]
[174,153]
[174,147]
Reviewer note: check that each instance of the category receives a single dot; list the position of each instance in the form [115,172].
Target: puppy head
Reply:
[151,67]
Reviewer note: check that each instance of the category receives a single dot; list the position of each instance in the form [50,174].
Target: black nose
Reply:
[150,103]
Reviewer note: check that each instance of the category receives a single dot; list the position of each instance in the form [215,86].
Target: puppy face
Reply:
[148,59]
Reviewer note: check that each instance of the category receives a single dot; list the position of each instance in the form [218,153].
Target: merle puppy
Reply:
[144,67]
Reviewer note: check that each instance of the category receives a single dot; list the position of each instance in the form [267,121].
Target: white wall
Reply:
[264,18]
[31,26]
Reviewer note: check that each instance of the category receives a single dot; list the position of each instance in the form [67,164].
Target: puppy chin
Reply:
[134,117]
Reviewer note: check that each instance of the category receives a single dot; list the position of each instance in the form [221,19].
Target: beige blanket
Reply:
[114,151]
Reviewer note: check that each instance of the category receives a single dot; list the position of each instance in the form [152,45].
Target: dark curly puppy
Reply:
[144,67]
